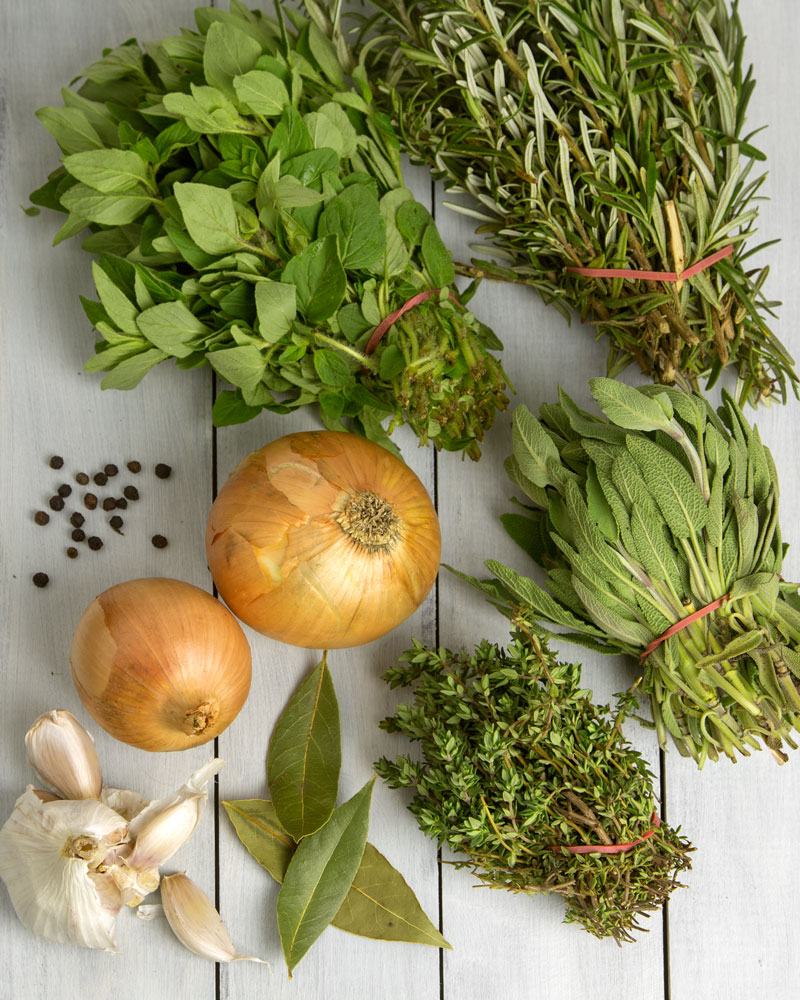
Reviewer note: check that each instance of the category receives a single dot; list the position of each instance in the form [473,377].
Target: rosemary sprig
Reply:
[518,765]
[599,133]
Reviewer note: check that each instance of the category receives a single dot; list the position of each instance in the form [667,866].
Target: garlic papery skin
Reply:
[196,923]
[64,755]
[51,859]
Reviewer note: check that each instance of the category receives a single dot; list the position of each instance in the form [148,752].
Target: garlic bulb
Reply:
[323,539]
[51,858]
[196,923]
[160,664]
[64,755]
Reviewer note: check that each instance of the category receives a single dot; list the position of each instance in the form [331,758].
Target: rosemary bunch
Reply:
[518,766]
[248,206]
[603,134]
[640,519]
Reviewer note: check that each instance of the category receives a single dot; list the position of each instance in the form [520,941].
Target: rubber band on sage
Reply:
[624,272]
[682,624]
[393,317]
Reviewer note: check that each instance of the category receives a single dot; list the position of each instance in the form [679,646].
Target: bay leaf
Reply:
[320,874]
[259,829]
[305,755]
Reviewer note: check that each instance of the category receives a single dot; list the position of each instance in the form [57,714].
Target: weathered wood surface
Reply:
[729,935]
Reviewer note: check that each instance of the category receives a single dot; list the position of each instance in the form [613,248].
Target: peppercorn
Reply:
[163,471]
[100,478]
[41,517]
[116,523]
[40,579]
[109,503]
[159,541]
[135,466]
[131,493]
[110,469]
[90,501]
[122,503]
[64,490]
[55,463]
[72,552]
[56,503]
[77,519]
[81,478]
[78,535]
[95,543]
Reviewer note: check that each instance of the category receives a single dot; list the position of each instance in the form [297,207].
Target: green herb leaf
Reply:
[228,53]
[117,305]
[305,755]
[276,305]
[437,259]
[332,368]
[319,279]
[129,373]
[230,408]
[108,170]
[533,447]
[320,874]
[259,829]
[627,407]
[262,93]
[354,216]
[109,209]
[209,216]
[173,328]
[70,128]
[241,366]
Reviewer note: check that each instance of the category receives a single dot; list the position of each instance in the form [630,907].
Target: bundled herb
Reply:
[663,509]
[521,772]
[316,850]
[250,213]
[602,134]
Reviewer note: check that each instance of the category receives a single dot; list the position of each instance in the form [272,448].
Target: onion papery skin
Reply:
[278,547]
[160,664]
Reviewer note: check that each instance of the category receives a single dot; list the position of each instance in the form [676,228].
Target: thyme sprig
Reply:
[602,133]
[518,764]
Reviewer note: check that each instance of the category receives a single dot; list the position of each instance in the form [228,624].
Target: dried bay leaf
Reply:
[320,874]
[305,755]
[259,829]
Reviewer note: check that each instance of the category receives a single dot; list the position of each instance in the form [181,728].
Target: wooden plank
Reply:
[49,406]
[339,965]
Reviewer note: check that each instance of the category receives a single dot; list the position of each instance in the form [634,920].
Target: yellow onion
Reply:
[323,539]
[160,664]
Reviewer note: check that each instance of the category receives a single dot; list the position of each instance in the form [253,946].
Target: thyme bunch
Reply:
[603,134]
[519,764]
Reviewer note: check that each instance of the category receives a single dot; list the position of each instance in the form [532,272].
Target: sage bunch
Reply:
[659,509]
[602,134]
[249,212]
[520,768]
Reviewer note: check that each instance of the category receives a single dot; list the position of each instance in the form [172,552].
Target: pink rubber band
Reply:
[624,272]
[393,317]
[682,624]
[655,819]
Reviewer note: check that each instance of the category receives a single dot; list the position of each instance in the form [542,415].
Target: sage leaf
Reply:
[261,93]
[305,756]
[276,307]
[325,54]
[354,216]
[108,170]
[320,874]
[228,53]
[209,216]
[319,279]
[173,328]
[532,446]
[259,829]
[673,489]
[627,407]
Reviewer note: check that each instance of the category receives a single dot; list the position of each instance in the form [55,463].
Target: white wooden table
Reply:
[732,934]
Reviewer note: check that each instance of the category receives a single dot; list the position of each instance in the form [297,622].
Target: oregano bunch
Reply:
[600,134]
[249,211]
[518,765]
[641,517]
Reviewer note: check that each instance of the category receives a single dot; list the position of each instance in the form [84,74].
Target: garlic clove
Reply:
[164,826]
[196,923]
[51,860]
[64,755]
[127,803]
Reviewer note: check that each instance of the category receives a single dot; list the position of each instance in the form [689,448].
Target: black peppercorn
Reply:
[159,541]
[81,478]
[110,469]
[135,466]
[131,493]
[40,579]
[72,552]
[56,503]
[55,463]
[77,519]
[100,478]
[109,503]
[116,523]
[78,535]
[64,490]
[122,503]
[95,543]
[163,471]
[41,517]
[90,501]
